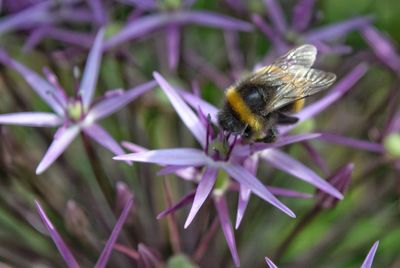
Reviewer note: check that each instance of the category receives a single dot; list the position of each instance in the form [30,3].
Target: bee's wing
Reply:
[299,83]
[301,56]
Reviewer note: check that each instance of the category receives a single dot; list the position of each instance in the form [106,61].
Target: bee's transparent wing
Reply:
[303,56]
[299,83]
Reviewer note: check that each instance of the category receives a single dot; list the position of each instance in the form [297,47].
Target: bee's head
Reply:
[228,121]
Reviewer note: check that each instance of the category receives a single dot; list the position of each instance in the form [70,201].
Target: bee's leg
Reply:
[286,119]
[271,136]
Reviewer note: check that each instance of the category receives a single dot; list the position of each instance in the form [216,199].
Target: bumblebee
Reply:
[255,105]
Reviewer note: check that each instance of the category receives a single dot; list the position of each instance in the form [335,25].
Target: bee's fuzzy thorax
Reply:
[238,105]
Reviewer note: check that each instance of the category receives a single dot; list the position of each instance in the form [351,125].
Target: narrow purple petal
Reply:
[276,15]
[91,72]
[288,193]
[100,135]
[223,214]
[202,192]
[243,150]
[137,28]
[270,33]
[105,255]
[181,156]
[382,46]
[243,201]
[66,36]
[291,166]
[144,25]
[112,104]
[33,119]
[28,17]
[60,244]
[169,170]
[197,102]
[302,14]
[270,263]
[244,177]
[188,117]
[354,143]
[212,19]
[133,147]
[188,198]
[58,146]
[285,140]
[186,173]
[344,85]
[251,165]
[44,89]
[337,30]
[370,257]
[173,44]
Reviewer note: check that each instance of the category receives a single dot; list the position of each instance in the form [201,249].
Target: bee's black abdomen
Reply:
[253,96]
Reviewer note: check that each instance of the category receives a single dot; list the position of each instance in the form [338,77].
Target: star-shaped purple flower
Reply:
[223,157]
[72,114]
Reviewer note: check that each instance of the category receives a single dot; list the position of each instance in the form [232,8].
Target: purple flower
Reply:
[171,20]
[370,257]
[66,252]
[283,35]
[222,157]
[71,114]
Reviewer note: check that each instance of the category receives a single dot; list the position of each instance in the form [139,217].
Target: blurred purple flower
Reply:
[383,47]
[283,35]
[44,19]
[71,115]
[230,158]
[370,257]
[66,252]
[171,19]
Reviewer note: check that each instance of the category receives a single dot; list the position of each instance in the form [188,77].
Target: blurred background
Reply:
[204,56]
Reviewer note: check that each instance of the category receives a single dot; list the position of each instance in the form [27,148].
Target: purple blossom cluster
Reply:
[218,167]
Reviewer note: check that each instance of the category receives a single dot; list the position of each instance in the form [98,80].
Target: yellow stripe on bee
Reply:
[240,107]
[298,105]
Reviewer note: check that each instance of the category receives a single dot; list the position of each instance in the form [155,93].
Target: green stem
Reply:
[99,173]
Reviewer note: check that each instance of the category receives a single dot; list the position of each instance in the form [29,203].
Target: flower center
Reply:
[75,110]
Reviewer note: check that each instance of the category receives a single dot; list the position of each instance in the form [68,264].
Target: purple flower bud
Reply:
[76,220]
[123,196]
[340,180]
